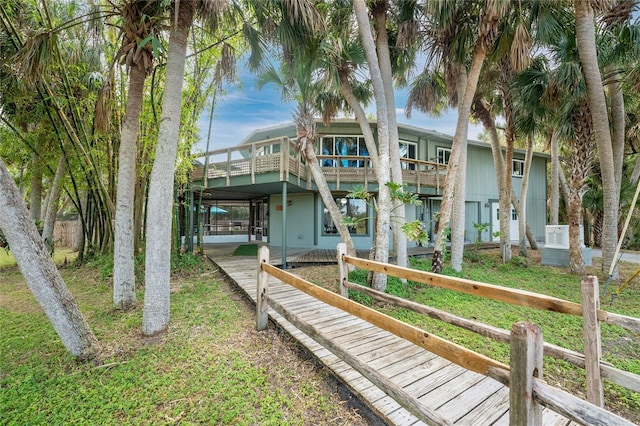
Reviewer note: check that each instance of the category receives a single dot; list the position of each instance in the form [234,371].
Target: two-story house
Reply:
[262,190]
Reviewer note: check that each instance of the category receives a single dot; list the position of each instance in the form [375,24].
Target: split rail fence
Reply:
[527,390]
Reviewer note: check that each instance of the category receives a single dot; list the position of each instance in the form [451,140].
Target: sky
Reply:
[246,108]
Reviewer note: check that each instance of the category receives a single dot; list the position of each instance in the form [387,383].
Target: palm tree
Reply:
[297,84]
[586,40]
[487,17]
[383,214]
[160,206]
[140,26]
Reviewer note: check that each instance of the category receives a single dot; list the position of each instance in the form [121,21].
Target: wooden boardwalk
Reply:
[461,396]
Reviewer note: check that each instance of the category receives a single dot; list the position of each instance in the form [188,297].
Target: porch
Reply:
[277,160]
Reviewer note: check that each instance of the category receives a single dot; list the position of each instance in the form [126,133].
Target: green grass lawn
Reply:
[211,367]
[620,347]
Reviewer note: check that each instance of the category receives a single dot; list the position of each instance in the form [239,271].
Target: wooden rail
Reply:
[620,377]
[527,346]
[502,294]
[278,155]
[591,361]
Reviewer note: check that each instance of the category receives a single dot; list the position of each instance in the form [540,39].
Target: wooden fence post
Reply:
[262,316]
[592,342]
[344,270]
[526,363]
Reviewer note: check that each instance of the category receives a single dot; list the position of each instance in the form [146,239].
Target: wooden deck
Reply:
[461,396]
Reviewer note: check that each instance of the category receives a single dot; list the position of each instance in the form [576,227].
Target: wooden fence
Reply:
[65,233]
[527,389]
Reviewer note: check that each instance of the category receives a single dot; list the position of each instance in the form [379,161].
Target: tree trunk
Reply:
[464,110]
[585,37]
[524,186]
[40,273]
[52,207]
[156,313]
[554,206]
[635,175]
[576,262]
[506,77]
[327,197]
[530,237]
[399,215]
[124,280]
[35,196]
[79,240]
[504,192]
[616,101]
[458,220]
[382,173]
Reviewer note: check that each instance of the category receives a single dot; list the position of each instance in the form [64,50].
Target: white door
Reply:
[513,223]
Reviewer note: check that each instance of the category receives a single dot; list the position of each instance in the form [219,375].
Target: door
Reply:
[259,219]
[495,223]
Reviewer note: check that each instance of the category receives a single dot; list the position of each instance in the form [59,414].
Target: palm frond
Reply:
[226,65]
[427,94]
[521,48]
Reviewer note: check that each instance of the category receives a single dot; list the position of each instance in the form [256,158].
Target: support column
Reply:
[284,225]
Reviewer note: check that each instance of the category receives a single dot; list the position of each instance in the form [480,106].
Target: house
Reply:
[262,190]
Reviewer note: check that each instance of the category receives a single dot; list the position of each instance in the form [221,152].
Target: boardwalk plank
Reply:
[466,401]
[489,410]
[454,387]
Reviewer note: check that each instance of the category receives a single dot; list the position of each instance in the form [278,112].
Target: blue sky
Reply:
[246,108]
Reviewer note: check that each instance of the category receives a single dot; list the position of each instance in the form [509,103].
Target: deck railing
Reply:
[268,156]
[527,390]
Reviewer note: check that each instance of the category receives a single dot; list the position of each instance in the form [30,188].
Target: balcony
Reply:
[268,158]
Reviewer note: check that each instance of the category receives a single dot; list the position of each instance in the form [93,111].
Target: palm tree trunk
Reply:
[52,207]
[327,197]
[524,185]
[505,77]
[464,109]
[616,100]
[458,219]
[555,180]
[384,60]
[384,199]
[576,262]
[124,289]
[585,36]
[156,313]
[40,273]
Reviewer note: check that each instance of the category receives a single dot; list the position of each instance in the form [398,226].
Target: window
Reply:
[349,207]
[514,214]
[408,150]
[342,146]
[517,168]
[443,155]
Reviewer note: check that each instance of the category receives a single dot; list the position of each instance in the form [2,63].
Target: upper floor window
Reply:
[352,146]
[408,150]
[443,155]
[517,168]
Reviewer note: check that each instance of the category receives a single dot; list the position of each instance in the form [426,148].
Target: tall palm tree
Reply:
[156,313]
[140,26]
[486,17]
[297,84]
[383,214]
[586,39]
